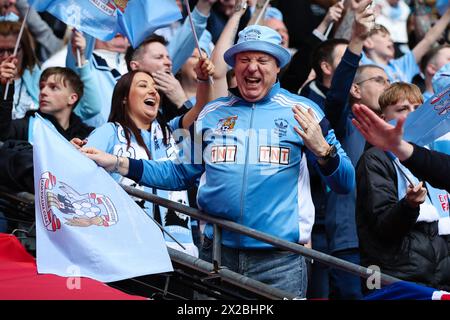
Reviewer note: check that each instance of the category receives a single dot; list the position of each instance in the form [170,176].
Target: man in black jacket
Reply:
[402,225]
[423,163]
[61,89]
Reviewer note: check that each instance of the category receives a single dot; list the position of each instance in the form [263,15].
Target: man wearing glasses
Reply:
[369,83]
[350,84]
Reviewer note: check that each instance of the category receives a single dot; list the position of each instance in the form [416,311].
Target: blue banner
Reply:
[103,19]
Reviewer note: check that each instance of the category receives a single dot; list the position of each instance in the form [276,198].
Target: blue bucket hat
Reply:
[441,79]
[273,13]
[259,38]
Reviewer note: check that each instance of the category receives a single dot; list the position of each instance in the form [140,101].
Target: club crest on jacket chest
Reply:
[226,125]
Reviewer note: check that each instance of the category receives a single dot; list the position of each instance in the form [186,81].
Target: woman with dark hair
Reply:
[135,120]
[136,129]
[26,83]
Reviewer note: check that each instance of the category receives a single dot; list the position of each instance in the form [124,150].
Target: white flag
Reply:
[86,224]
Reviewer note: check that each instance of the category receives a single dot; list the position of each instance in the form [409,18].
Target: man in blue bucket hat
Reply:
[261,39]
[252,164]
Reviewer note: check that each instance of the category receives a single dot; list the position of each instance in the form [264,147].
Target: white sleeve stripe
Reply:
[290,101]
[215,106]
[201,183]
[306,209]
[209,107]
[284,104]
[283,100]
[203,114]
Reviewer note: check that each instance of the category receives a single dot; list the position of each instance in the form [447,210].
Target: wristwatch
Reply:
[187,104]
[331,153]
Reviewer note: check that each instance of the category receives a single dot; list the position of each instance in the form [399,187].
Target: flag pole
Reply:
[78,58]
[186,3]
[16,48]
[166,232]
[263,11]
[393,158]
[403,173]
[78,51]
[330,26]
[408,179]
[258,7]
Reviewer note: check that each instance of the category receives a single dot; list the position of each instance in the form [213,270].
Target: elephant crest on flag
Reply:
[109,6]
[121,4]
[58,200]
[441,103]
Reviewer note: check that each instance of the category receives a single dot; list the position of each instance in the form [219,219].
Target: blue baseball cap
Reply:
[441,79]
[259,38]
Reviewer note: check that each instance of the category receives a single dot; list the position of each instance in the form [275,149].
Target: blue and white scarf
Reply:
[436,205]
[177,224]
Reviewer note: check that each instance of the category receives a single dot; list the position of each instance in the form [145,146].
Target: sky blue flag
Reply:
[86,225]
[103,19]
[441,6]
[430,121]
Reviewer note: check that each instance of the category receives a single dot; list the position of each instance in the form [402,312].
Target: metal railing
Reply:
[215,269]
[200,276]
[279,243]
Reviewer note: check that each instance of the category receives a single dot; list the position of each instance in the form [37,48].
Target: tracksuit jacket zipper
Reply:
[244,178]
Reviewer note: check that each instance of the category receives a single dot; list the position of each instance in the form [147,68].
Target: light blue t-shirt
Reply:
[401,69]
[23,101]
[427,95]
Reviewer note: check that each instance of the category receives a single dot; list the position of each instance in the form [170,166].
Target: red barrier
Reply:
[19,279]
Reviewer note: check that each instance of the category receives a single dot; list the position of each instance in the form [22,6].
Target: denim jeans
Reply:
[283,270]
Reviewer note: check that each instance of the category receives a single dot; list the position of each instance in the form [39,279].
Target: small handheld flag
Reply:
[103,19]
[86,225]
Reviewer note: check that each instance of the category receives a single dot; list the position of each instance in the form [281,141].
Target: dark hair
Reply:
[324,52]
[68,77]
[120,114]
[133,54]
[230,75]
[429,56]
[29,60]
